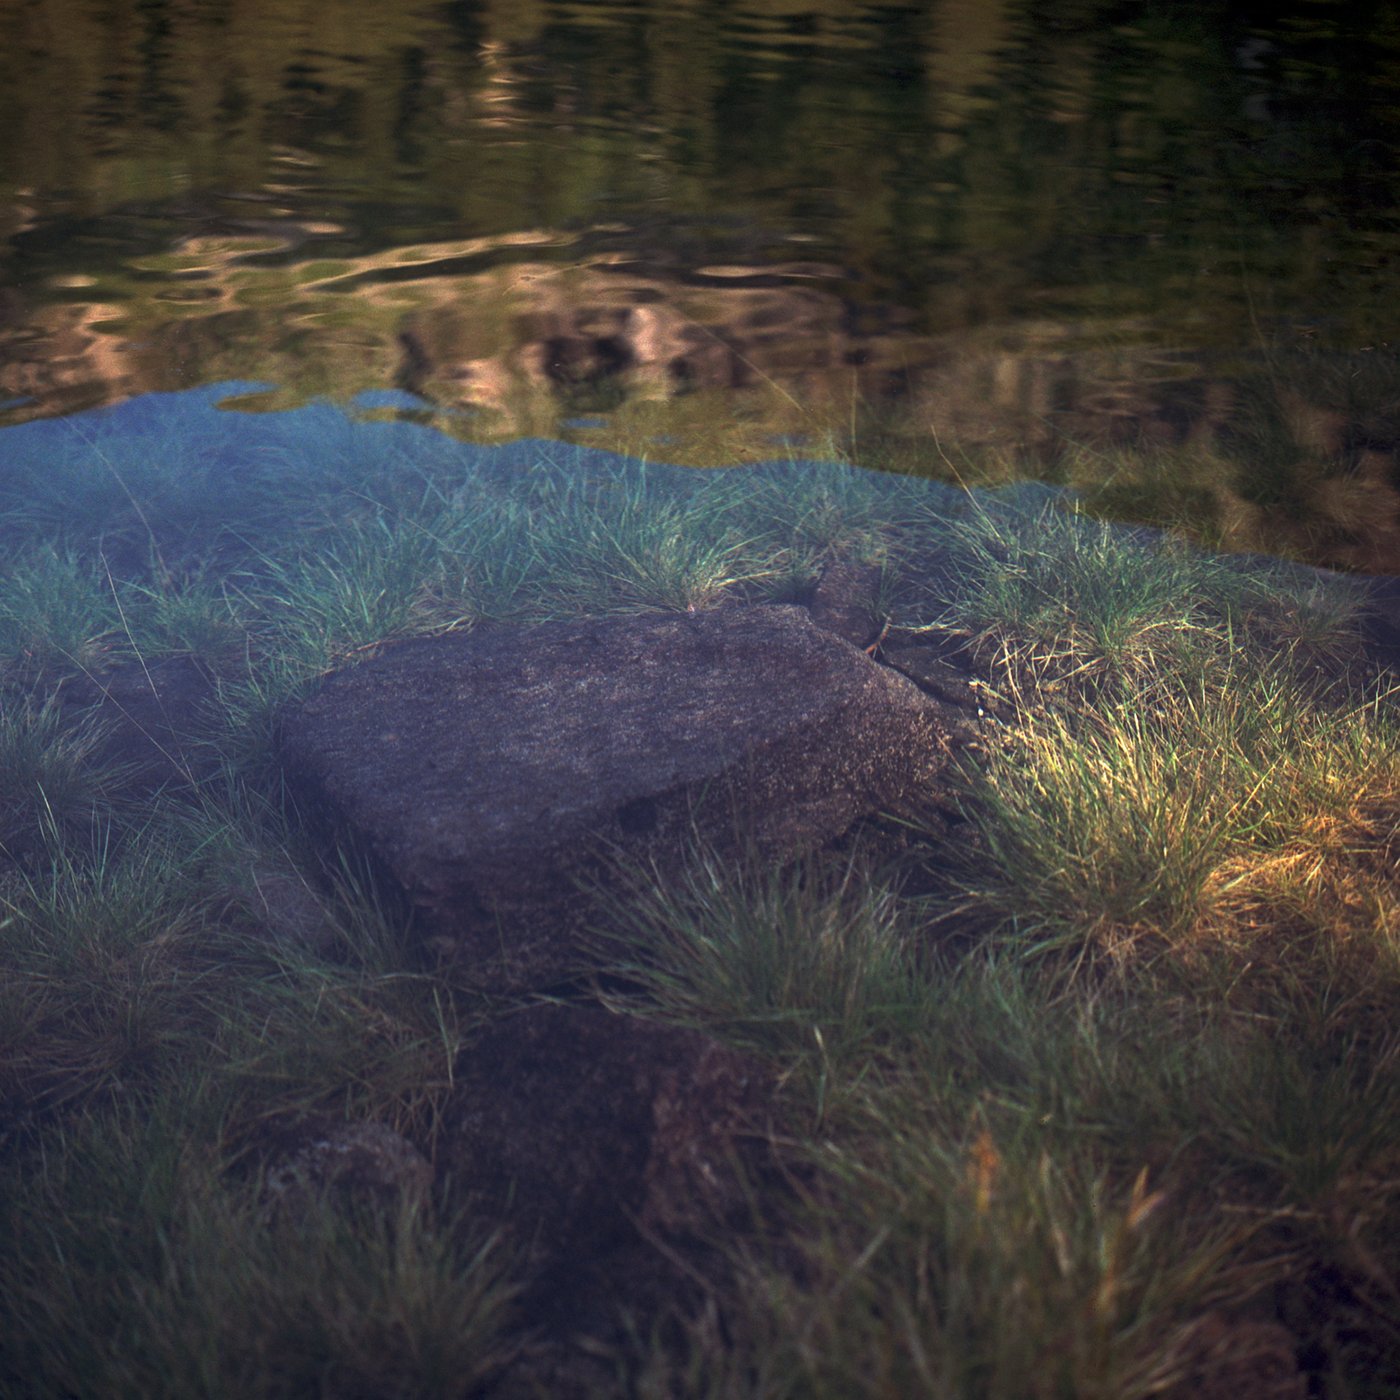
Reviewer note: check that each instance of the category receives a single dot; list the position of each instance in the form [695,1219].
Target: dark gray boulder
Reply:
[1381,619]
[585,1131]
[493,773]
[612,1154]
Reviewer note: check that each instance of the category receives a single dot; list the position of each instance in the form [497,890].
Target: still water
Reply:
[1151,251]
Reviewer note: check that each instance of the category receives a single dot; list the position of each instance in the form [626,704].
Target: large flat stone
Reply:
[491,772]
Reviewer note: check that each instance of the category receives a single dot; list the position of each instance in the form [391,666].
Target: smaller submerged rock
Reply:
[363,1163]
[493,773]
[580,1128]
[846,601]
[612,1153]
[149,712]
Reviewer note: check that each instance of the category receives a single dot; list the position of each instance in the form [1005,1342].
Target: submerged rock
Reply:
[264,892]
[607,1147]
[362,1163]
[846,601]
[148,712]
[493,773]
[1381,619]
[580,1125]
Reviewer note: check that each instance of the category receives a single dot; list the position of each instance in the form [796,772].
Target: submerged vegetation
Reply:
[1093,1090]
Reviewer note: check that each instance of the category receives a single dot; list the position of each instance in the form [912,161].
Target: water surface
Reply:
[1147,250]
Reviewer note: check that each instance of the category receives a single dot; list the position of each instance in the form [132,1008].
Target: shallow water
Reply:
[1144,252]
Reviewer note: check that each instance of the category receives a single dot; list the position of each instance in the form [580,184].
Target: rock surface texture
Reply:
[587,1132]
[491,773]
[611,1151]
[361,1162]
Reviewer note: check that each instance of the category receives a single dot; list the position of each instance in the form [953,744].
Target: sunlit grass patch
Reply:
[1118,820]
[1333,875]
[1075,600]
[1322,909]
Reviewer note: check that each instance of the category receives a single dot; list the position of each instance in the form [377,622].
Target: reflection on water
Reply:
[1147,250]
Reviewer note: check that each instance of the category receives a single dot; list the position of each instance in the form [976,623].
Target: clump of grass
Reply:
[824,509]
[489,571]
[628,546]
[439,561]
[242,727]
[810,964]
[366,584]
[1119,821]
[98,991]
[1007,1209]
[1073,602]
[198,615]
[1057,604]
[1053,1190]
[57,618]
[979,1270]
[1311,619]
[133,1229]
[53,778]
[323,1006]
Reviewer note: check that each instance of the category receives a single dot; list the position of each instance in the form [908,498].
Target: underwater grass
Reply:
[212,937]
[641,560]
[54,777]
[57,616]
[1093,1097]
[813,965]
[156,1274]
